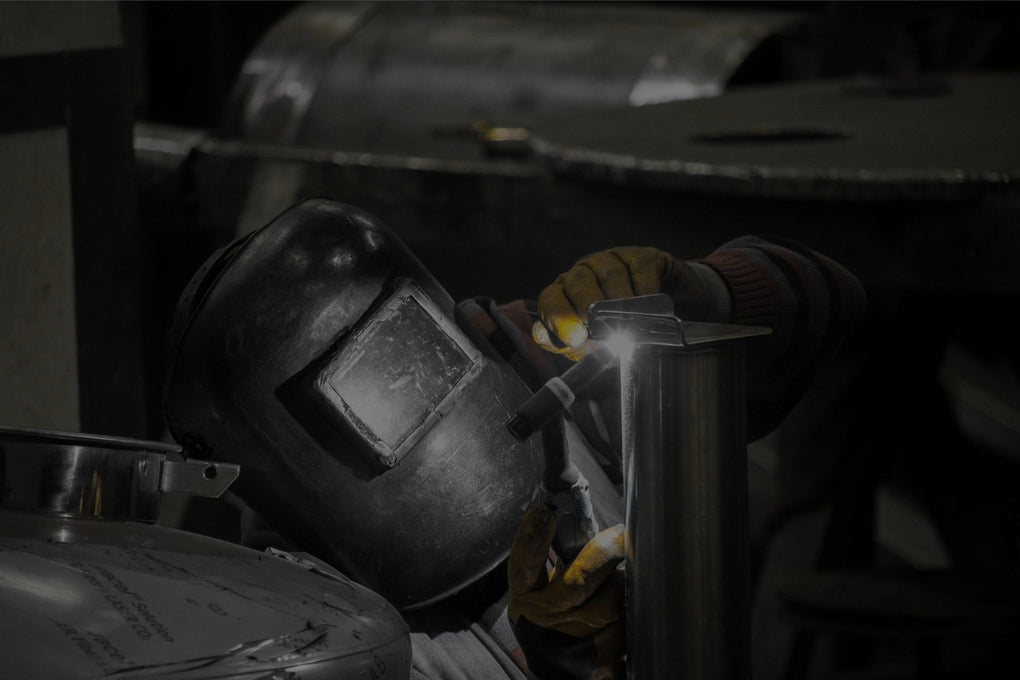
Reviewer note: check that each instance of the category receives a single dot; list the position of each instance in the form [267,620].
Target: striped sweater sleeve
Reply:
[810,302]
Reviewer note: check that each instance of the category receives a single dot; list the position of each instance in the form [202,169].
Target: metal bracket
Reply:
[198,477]
[650,320]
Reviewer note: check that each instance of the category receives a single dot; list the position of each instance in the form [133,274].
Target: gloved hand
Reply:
[569,622]
[607,275]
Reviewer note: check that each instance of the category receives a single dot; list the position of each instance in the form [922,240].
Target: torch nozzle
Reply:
[558,393]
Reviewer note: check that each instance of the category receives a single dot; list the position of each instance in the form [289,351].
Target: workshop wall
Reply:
[70,293]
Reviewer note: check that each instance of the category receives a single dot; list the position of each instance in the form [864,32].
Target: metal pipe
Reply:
[558,393]
[688,577]
[685,483]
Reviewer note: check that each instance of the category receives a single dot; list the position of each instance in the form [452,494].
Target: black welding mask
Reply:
[320,355]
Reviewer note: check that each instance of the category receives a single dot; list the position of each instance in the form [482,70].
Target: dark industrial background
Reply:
[503,141]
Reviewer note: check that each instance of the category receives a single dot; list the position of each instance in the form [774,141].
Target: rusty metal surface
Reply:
[415,78]
[944,139]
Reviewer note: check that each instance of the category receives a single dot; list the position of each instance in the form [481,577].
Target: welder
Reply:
[366,410]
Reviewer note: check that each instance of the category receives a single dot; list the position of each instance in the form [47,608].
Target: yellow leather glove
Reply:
[569,622]
[607,275]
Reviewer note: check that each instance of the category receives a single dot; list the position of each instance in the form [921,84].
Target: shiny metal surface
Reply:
[99,477]
[417,79]
[88,599]
[685,479]
[686,494]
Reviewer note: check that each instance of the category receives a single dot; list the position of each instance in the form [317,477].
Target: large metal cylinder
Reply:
[415,78]
[686,475]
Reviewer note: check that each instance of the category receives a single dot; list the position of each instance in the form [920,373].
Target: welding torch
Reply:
[564,488]
[558,393]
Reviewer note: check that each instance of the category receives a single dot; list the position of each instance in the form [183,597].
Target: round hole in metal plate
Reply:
[899,88]
[210,472]
[774,136]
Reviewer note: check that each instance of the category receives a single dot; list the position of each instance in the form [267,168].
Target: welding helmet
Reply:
[321,355]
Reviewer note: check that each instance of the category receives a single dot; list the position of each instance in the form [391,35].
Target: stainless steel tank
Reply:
[91,586]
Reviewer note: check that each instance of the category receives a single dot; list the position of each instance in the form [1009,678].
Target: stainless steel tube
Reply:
[685,452]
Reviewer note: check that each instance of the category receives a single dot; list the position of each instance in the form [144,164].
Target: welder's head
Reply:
[324,358]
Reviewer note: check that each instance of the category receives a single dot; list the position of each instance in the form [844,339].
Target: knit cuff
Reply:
[714,296]
[755,294]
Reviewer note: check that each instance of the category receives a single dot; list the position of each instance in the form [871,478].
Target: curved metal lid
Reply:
[86,599]
[946,139]
[98,476]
